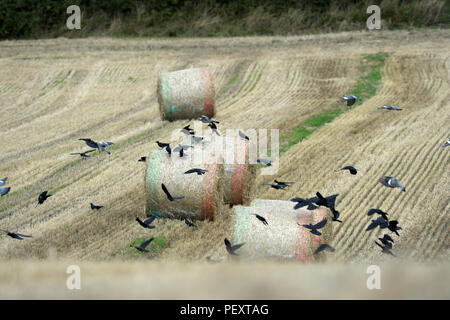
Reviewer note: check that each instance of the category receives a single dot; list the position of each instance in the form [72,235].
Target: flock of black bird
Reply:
[311,203]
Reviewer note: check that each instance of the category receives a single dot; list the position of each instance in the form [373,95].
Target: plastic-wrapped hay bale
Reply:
[239,176]
[185,94]
[203,193]
[284,238]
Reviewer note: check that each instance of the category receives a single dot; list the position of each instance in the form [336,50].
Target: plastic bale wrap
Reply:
[185,94]
[284,238]
[203,194]
[240,175]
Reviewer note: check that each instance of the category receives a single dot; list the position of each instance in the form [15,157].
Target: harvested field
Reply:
[53,92]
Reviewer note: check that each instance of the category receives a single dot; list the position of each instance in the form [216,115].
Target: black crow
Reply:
[91,143]
[314,228]
[213,127]
[147,223]
[385,249]
[189,223]
[323,247]
[17,236]
[379,222]
[197,171]
[260,218]
[142,159]
[277,186]
[168,194]
[378,211]
[162,145]
[266,162]
[386,240]
[303,203]
[42,197]
[187,130]
[94,207]
[392,226]
[336,215]
[351,169]
[282,183]
[231,249]
[144,245]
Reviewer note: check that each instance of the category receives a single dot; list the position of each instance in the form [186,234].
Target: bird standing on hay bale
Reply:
[351,99]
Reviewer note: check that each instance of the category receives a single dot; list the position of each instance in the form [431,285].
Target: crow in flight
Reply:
[197,171]
[231,249]
[386,240]
[144,245]
[351,99]
[323,247]
[168,194]
[266,162]
[147,223]
[385,249]
[188,130]
[4,190]
[260,218]
[390,108]
[243,136]
[351,169]
[213,127]
[162,145]
[391,182]
[378,211]
[189,223]
[315,228]
[206,119]
[17,236]
[3,181]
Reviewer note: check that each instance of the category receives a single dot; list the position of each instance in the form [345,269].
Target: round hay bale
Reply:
[203,194]
[240,175]
[283,238]
[185,94]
